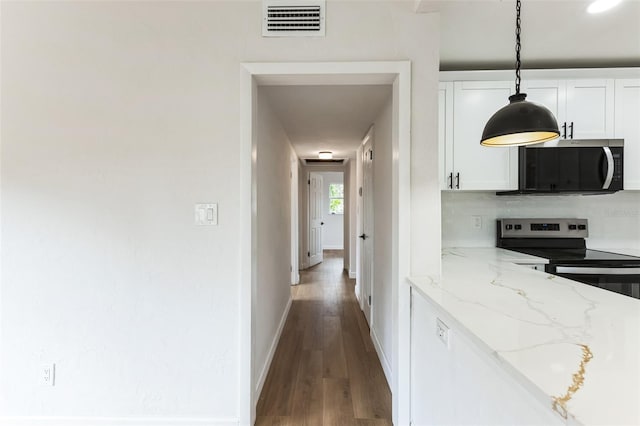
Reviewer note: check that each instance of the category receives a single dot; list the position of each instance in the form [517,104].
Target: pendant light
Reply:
[521,122]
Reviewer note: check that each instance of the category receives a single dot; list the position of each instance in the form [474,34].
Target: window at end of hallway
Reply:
[336,198]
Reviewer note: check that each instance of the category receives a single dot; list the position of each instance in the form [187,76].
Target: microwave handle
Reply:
[609,177]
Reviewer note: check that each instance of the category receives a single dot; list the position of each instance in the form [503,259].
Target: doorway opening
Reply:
[396,337]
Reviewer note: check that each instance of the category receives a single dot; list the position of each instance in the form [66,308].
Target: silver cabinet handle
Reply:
[609,155]
[597,271]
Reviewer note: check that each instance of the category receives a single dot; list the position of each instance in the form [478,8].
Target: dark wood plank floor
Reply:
[325,370]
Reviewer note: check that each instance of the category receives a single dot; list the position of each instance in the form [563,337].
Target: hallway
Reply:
[325,370]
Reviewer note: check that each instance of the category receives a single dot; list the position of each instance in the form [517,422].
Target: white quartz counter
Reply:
[576,347]
[621,250]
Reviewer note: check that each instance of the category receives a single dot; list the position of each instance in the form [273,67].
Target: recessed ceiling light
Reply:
[601,5]
[325,155]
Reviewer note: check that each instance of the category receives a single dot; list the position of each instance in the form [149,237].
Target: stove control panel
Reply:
[543,228]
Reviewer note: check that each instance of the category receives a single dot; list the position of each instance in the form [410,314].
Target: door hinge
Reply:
[369,300]
[309,182]
[370,154]
[308,254]
[290,268]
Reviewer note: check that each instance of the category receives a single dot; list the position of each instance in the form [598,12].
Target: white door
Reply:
[366,237]
[315,218]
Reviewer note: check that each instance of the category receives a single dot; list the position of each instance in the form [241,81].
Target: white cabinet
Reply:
[627,127]
[459,383]
[583,107]
[467,164]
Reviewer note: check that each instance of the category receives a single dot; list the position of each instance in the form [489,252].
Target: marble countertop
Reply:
[621,250]
[575,347]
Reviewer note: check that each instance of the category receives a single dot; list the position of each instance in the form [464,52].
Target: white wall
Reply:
[382,309]
[273,278]
[333,228]
[614,219]
[117,117]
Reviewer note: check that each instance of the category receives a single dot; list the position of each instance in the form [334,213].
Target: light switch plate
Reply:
[206,214]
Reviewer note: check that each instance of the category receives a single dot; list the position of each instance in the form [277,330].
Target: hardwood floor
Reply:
[325,370]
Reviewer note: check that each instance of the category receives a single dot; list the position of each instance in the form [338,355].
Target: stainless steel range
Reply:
[562,242]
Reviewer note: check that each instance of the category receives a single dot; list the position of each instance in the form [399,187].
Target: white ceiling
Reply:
[480,34]
[475,34]
[326,118]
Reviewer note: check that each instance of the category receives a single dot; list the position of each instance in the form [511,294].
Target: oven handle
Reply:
[610,165]
[594,271]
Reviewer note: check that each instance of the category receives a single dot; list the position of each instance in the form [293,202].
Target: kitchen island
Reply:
[512,345]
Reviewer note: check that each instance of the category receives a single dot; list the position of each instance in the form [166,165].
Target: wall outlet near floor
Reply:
[477,222]
[47,375]
[442,331]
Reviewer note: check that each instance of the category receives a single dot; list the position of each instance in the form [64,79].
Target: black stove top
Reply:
[580,256]
[562,242]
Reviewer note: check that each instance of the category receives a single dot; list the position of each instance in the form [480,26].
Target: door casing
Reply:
[397,73]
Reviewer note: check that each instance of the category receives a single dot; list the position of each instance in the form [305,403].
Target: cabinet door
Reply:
[627,127]
[550,93]
[479,167]
[590,108]
[445,133]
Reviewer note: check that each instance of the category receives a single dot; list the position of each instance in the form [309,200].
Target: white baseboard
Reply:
[352,275]
[386,367]
[332,247]
[272,351]
[114,421]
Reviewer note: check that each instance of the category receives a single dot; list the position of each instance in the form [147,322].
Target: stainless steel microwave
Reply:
[589,166]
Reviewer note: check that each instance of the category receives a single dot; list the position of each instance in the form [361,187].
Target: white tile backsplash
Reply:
[614,219]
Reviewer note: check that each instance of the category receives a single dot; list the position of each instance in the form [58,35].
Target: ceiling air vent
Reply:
[291,18]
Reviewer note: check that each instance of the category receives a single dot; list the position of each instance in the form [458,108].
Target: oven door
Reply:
[622,280]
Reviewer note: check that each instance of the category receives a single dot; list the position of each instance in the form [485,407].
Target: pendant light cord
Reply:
[518,7]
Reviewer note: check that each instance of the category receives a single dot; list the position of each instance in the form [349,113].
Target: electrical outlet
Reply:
[477,222]
[442,331]
[47,374]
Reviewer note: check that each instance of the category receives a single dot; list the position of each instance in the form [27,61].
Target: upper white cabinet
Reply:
[583,107]
[590,108]
[467,164]
[586,103]
[627,127]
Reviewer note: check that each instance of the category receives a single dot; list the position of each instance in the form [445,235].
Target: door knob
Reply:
[363,236]
[321,223]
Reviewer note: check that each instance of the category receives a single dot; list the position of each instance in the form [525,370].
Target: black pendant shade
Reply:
[520,123]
